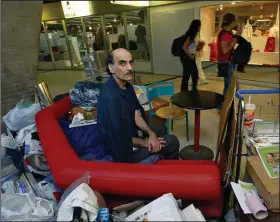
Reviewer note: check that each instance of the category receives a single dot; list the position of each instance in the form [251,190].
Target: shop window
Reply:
[115,33]
[44,56]
[77,39]
[94,33]
[137,32]
[258,24]
[95,40]
[58,44]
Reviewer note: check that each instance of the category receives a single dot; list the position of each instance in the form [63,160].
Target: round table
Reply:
[197,100]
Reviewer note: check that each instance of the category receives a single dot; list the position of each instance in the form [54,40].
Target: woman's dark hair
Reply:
[228,19]
[193,29]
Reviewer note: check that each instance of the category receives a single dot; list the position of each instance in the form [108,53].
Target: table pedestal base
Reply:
[204,153]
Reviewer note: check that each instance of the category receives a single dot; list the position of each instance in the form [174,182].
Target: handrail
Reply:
[256,91]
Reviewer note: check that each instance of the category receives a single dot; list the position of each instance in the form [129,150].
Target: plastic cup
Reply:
[249,113]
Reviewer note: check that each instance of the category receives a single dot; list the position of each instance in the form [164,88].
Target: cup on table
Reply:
[249,114]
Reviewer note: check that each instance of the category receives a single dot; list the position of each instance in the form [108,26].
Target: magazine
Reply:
[269,156]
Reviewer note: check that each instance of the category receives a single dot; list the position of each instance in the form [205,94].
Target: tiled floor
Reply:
[252,73]
[62,81]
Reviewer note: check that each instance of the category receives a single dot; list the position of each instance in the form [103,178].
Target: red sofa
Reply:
[195,181]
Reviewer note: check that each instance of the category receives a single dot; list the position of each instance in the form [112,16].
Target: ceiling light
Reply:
[132,3]
[221,5]
[108,33]
[233,3]
[90,28]
[130,24]
[217,9]
[98,24]
[115,20]
[261,16]
[251,17]
[221,8]
[271,15]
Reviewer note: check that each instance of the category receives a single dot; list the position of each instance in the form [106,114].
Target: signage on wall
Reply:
[73,9]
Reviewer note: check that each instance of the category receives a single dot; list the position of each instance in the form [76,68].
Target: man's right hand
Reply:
[154,144]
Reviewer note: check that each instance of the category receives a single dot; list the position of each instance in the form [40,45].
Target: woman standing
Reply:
[188,58]
[226,45]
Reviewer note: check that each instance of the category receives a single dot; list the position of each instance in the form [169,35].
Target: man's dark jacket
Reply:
[116,120]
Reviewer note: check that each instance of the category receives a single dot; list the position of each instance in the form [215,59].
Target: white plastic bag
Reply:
[25,207]
[21,115]
[141,93]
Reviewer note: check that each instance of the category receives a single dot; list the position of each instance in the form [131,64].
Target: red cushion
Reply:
[194,180]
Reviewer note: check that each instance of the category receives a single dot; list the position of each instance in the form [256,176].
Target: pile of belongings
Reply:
[28,191]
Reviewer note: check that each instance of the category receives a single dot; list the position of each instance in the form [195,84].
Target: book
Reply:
[269,156]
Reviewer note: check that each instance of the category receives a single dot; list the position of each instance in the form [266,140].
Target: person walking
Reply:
[226,44]
[187,58]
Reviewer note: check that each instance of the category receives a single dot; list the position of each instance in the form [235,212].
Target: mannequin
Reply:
[213,49]
[247,31]
[273,31]
[271,40]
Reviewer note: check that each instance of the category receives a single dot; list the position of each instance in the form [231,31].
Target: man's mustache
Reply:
[129,72]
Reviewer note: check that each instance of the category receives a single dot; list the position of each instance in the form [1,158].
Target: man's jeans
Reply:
[227,79]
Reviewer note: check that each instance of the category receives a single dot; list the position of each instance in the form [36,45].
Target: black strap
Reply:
[219,36]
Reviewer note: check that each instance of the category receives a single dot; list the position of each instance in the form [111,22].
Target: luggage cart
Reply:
[266,117]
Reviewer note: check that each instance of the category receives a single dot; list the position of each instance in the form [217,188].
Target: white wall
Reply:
[207,17]
[169,22]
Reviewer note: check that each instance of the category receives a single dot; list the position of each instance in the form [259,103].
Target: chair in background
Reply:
[169,113]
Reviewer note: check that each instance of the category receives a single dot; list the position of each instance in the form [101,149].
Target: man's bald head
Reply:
[120,64]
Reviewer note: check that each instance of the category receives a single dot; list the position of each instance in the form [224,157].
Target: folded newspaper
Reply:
[78,120]
[165,208]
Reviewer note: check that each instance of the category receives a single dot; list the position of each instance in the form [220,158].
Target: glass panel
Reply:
[95,40]
[137,31]
[115,33]
[77,39]
[58,44]
[44,56]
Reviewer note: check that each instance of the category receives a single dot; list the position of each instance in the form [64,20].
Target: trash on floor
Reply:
[165,208]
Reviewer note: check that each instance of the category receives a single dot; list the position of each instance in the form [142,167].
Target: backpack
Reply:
[176,48]
[243,52]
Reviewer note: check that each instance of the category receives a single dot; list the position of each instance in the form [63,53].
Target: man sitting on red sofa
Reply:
[121,119]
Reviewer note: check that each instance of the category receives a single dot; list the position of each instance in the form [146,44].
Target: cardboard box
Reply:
[268,188]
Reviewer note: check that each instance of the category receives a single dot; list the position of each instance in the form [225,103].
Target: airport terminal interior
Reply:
[55,162]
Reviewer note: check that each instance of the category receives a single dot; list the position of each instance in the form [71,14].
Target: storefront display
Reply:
[68,40]
[260,28]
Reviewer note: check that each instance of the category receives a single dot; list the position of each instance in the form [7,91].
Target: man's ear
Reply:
[111,68]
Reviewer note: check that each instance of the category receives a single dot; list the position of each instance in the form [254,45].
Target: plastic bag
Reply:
[22,115]
[85,95]
[141,93]
[25,207]
[85,178]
